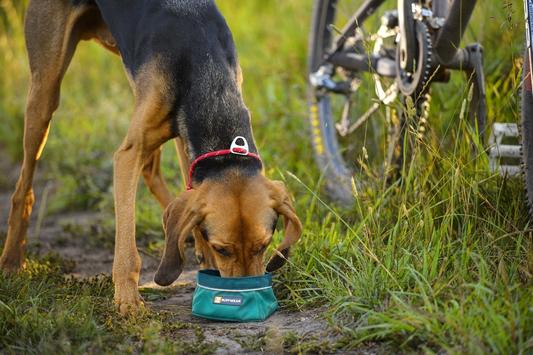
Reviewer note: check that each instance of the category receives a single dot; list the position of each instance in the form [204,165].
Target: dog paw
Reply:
[11,266]
[128,300]
[126,308]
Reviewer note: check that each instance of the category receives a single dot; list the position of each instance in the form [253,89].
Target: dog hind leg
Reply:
[154,179]
[183,159]
[50,42]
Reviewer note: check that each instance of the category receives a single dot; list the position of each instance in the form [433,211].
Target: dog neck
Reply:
[218,167]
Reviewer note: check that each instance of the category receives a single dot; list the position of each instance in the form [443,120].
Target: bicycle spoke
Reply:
[395,133]
[342,126]
[344,12]
[364,118]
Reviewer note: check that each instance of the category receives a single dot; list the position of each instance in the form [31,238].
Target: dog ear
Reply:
[293,226]
[180,217]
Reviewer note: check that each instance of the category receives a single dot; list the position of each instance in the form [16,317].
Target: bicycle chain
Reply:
[423,119]
[427,69]
[422,95]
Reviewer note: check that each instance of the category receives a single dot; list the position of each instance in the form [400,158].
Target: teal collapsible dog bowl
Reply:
[234,299]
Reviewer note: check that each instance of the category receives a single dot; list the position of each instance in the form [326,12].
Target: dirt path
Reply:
[55,234]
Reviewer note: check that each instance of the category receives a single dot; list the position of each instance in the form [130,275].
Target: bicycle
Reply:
[416,45]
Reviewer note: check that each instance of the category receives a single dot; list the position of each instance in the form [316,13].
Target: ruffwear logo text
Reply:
[228,300]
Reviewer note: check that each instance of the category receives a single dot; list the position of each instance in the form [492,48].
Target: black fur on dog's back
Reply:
[82,2]
[195,51]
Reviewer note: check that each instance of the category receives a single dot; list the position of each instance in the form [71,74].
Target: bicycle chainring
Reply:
[415,81]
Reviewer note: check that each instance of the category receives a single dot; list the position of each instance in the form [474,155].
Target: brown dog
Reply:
[181,62]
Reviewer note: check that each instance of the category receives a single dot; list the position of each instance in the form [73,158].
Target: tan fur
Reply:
[237,212]
[154,180]
[183,159]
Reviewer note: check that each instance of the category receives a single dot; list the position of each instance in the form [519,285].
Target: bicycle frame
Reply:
[456,17]
[451,33]
[364,11]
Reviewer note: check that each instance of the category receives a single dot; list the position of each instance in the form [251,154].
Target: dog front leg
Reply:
[146,134]
[127,164]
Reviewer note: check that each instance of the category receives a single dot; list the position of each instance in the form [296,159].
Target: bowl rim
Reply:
[211,279]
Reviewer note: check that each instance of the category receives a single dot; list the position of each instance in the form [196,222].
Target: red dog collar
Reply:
[235,148]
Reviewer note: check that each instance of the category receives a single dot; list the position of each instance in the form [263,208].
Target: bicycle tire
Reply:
[527,129]
[336,174]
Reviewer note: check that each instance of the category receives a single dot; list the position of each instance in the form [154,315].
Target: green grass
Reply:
[442,260]
[42,311]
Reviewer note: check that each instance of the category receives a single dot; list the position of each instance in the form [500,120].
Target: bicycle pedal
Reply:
[505,149]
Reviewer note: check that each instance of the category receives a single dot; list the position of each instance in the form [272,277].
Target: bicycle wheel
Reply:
[527,121]
[357,125]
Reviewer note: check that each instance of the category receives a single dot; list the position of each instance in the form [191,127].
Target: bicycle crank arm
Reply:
[478,101]
[463,59]
[407,34]
[470,60]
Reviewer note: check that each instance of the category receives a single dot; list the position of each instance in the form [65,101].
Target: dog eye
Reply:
[222,251]
[274,225]
[204,233]
[262,249]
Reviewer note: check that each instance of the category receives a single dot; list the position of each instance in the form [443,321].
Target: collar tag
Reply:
[239,149]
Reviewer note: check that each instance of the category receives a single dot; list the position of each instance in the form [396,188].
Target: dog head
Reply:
[233,219]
